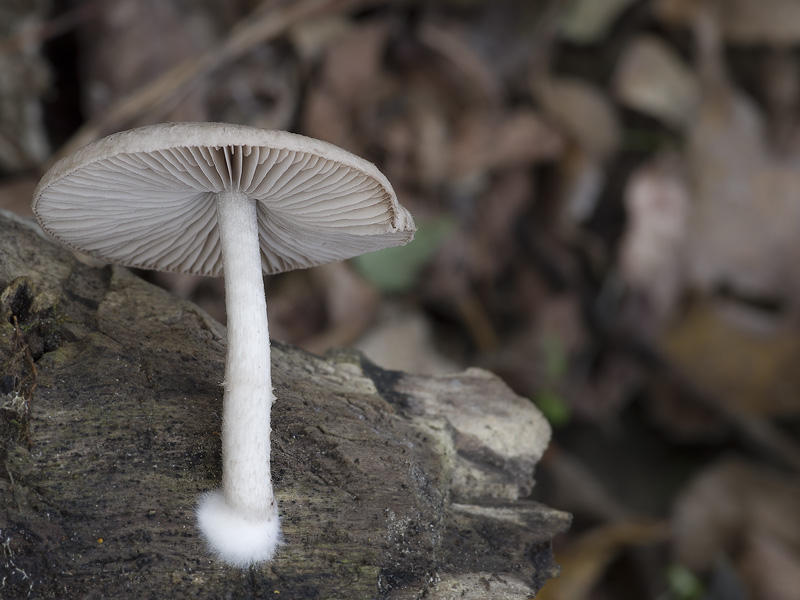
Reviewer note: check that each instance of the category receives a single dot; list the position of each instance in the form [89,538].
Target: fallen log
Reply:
[389,485]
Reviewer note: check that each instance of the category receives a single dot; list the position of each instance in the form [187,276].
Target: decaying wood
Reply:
[389,485]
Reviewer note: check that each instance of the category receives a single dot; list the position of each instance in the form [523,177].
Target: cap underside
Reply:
[156,209]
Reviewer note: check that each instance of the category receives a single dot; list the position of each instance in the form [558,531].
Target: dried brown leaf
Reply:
[650,77]
[770,567]
[743,231]
[731,505]
[585,561]
[753,371]
[583,112]
[480,81]
[657,202]
[589,123]
[485,141]
[402,340]
[743,227]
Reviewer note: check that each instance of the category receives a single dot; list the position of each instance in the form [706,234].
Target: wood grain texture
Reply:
[109,424]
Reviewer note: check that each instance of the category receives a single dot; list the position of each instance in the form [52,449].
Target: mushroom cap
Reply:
[145,198]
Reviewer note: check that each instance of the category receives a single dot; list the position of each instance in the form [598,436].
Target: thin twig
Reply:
[49,29]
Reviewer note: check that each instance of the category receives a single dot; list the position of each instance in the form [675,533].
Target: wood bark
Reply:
[389,485]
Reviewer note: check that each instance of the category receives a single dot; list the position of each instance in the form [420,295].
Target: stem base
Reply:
[234,539]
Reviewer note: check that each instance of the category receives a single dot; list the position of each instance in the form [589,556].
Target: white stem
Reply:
[241,523]
[246,482]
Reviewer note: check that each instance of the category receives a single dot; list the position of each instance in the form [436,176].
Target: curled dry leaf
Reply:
[651,252]
[480,81]
[742,250]
[585,561]
[402,340]
[745,221]
[735,508]
[723,375]
[650,77]
[744,231]
[582,182]
[770,568]
[589,122]
[486,141]
[583,112]
[755,372]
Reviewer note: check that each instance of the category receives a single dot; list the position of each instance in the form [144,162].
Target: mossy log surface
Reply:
[390,486]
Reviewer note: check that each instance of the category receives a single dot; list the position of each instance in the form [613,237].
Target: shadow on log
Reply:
[389,485]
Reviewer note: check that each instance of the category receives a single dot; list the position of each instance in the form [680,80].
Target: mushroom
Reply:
[211,199]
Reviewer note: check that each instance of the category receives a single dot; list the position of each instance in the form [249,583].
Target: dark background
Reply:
[608,201]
